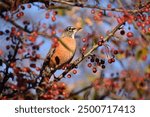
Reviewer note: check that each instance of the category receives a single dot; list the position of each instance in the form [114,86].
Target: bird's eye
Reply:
[69,29]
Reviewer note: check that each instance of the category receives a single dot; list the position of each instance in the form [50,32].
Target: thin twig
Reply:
[15,24]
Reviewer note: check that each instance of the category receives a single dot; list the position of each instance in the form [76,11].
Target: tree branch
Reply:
[6,74]
[100,8]
[5,6]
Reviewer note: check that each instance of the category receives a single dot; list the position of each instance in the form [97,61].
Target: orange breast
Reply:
[62,55]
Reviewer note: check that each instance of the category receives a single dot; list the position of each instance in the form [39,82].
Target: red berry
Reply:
[62,85]
[109,61]
[129,34]
[100,43]
[33,65]
[54,86]
[53,33]
[6,17]
[13,29]
[84,39]
[45,96]
[89,64]
[83,48]
[92,11]
[120,20]
[130,42]
[21,13]
[68,65]
[38,68]
[12,64]
[94,70]
[149,29]
[53,18]
[138,23]
[101,37]
[143,30]
[109,6]
[26,69]
[1,52]
[146,9]
[74,71]
[37,56]
[112,59]
[18,15]
[68,75]
[55,40]
[115,51]
[100,14]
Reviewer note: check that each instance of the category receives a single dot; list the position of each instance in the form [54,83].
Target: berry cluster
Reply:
[55,90]
[95,62]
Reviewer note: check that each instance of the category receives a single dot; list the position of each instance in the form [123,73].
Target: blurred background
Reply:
[127,77]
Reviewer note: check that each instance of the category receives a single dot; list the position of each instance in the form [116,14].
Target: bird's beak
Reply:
[79,29]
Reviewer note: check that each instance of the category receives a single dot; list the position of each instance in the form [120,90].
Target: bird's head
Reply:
[70,31]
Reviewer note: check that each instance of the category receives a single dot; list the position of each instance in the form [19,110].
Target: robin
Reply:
[62,54]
